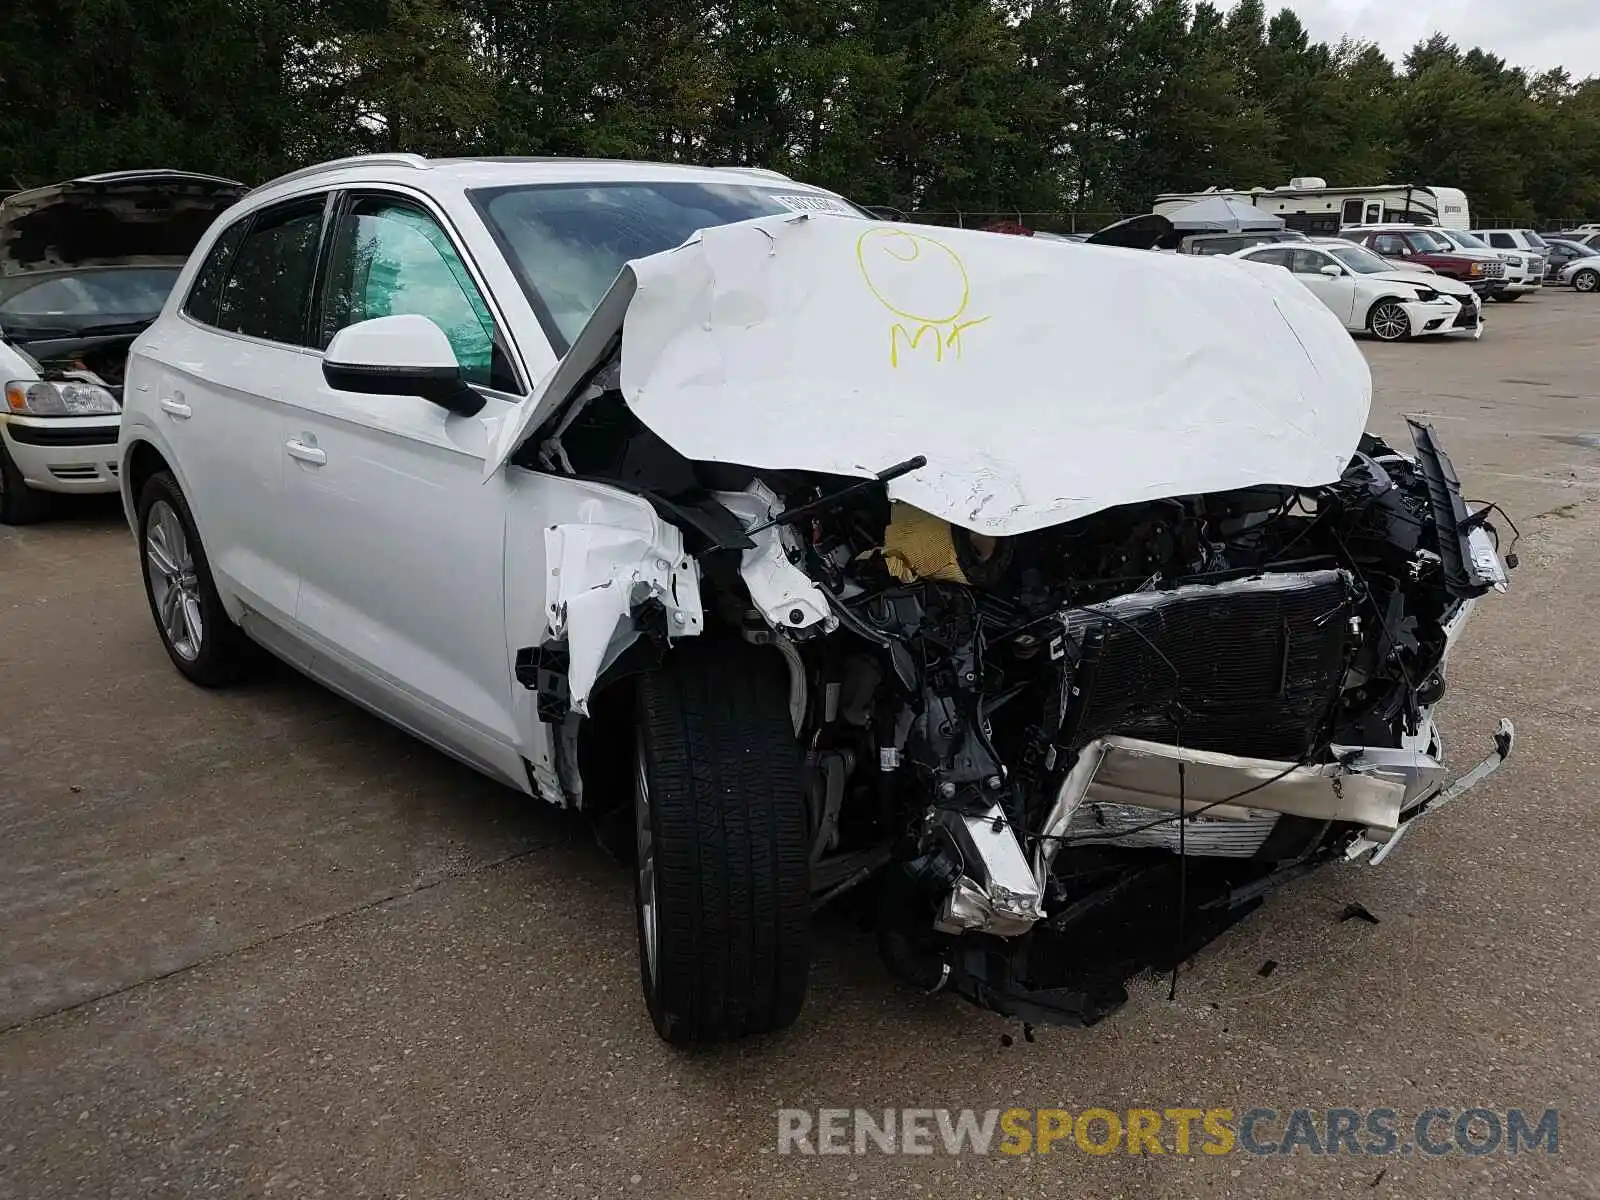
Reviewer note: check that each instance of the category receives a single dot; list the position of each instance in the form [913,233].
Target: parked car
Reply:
[1522,269]
[1412,245]
[1369,295]
[1580,236]
[85,266]
[1514,245]
[540,461]
[1573,264]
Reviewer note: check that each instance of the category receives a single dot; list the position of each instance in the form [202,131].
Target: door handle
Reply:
[174,406]
[305,453]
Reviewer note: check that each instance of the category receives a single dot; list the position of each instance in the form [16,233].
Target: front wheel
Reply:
[19,503]
[203,643]
[1389,322]
[1586,281]
[722,885]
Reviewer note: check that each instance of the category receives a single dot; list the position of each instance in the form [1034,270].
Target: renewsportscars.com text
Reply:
[1432,1132]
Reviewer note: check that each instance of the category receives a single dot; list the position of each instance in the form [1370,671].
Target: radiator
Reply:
[1249,666]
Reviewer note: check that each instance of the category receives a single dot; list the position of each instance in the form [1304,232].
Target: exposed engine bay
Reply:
[1069,754]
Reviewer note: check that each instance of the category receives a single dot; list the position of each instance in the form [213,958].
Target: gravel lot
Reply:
[257,943]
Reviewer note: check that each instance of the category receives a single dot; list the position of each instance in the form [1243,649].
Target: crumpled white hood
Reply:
[1042,381]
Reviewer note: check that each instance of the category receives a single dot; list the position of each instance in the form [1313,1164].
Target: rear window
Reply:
[568,242]
[268,289]
[205,295]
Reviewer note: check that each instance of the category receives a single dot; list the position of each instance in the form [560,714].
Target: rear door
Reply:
[223,368]
[399,538]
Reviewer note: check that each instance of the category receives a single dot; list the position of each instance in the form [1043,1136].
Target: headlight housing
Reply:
[62,398]
[1475,268]
[1426,295]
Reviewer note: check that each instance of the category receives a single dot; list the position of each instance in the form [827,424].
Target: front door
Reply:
[1337,292]
[401,557]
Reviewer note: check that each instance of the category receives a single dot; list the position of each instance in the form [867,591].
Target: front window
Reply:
[89,298]
[568,242]
[391,258]
[1359,259]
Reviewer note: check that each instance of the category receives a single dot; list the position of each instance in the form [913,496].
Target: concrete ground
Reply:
[256,943]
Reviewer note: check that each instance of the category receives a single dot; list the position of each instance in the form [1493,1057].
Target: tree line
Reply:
[934,106]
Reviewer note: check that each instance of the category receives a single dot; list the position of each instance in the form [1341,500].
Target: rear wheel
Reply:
[722,882]
[19,503]
[203,643]
[1586,280]
[1388,322]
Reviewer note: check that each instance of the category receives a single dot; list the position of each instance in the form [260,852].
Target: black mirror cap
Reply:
[438,385]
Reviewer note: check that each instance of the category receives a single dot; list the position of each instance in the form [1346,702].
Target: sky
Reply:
[1535,34]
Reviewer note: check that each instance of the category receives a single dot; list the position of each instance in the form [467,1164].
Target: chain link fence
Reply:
[1039,222]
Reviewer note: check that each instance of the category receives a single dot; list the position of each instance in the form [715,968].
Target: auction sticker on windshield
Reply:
[827,205]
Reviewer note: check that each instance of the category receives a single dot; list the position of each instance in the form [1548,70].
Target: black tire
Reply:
[19,503]
[220,656]
[1508,297]
[1388,322]
[726,847]
[1586,281]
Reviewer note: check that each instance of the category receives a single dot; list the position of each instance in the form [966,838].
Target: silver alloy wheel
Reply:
[174,586]
[645,844]
[1586,281]
[1390,322]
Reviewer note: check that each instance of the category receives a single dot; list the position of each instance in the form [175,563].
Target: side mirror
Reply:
[407,355]
[1331,271]
[1406,252]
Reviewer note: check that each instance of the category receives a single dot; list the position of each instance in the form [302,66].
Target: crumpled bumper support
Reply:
[1505,739]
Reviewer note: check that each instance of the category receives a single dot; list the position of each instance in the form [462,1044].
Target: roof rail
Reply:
[415,161]
[766,172]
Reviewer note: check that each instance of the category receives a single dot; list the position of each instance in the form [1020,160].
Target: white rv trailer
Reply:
[1312,207]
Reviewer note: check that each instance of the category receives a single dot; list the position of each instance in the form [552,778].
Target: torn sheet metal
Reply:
[1042,385]
[786,595]
[1505,740]
[997,892]
[598,574]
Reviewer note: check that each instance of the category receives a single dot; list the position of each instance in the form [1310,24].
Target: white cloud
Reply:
[1534,34]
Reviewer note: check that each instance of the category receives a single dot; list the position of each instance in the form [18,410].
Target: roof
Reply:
[510,171]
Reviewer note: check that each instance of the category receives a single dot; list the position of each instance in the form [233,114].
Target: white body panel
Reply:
[1033,399]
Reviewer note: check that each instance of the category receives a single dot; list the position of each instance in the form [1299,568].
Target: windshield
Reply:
[109,296]
[568,242]
[1579,250]
[1432,241]
[1534,240]
[1467,242]
[1359,259]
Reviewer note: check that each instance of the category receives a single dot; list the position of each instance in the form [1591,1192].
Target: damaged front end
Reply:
[1068,749]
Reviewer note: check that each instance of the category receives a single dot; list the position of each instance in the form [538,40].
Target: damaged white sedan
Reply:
[826,556]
